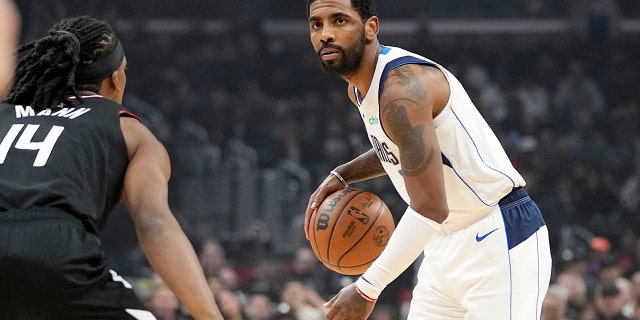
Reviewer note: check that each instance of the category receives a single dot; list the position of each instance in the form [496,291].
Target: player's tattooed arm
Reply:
[415,153]
[364,167]
[407,78]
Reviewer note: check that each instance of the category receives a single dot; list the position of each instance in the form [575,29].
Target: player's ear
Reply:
[112,87]
[116,80]
[371,28]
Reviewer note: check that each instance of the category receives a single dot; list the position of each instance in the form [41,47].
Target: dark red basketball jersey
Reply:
[71,158]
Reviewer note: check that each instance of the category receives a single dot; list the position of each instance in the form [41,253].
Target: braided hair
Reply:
[46,69]
[366,8]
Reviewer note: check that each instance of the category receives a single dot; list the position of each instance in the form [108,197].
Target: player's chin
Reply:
[330,65]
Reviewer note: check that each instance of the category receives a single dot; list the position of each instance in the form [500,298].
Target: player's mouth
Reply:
[328,53]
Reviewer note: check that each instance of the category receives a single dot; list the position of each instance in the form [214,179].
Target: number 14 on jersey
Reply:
[25,142]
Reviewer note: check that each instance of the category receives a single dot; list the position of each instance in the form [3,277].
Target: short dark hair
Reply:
[608,289]
[366,8]
[45,74]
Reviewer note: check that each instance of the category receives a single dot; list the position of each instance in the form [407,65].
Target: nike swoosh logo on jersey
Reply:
[480,238]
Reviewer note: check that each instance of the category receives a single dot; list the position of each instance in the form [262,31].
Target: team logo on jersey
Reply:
[383,151]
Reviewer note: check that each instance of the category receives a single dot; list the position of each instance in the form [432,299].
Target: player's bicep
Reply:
[147,176]
[406,115]
[407,108]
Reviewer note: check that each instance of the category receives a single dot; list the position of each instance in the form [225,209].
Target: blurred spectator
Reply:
[635,293]
[609,302]
[575,95]
[227,279]
[256,240]
[626,292]
[600,258]
[215,284]
[230,305]
[633,265]
[575,287]
[534,100]
[610,272]
[554,305]
[490,99]
[259,307]
[212,257]
[266,277]
[307,269]
[304,302]
[163,303]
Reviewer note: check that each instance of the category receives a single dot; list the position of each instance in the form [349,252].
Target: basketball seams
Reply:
[381,207]
[333,227]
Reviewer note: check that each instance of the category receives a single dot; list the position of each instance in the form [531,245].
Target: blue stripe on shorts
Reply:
[521,215]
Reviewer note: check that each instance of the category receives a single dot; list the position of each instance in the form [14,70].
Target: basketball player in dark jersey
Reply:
[68,153]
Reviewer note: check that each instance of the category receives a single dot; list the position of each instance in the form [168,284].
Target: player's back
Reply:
[71,158]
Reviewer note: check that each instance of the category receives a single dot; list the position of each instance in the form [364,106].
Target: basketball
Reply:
[349,230]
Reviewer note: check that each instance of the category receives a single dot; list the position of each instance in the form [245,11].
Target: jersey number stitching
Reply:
[24,142]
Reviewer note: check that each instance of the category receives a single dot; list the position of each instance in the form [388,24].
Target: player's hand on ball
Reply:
[327,187]
[349,305]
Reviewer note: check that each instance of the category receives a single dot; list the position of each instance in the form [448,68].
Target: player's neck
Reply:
[362,78]
[88,93]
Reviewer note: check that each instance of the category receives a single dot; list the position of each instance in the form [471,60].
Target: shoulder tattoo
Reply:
[406,77]
[415,155]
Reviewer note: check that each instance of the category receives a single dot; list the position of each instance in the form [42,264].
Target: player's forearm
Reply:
[173,258]
[409,239]
[365,166]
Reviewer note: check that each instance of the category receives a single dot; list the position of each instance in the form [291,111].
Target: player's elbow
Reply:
[435,212]
[439,214]
[151,223]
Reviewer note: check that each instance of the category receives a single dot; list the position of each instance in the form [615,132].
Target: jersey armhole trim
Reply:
[125,113]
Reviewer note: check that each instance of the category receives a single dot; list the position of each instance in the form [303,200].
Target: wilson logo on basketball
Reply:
[358,215]
[325,215]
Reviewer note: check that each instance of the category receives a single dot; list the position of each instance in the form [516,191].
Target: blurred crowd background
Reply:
[253,125]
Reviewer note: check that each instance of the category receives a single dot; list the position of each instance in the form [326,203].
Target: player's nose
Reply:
[327,35]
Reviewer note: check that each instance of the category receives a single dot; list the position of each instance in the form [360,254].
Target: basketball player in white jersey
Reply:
[485,242]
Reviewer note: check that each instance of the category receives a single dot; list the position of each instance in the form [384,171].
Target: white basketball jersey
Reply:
[477,171]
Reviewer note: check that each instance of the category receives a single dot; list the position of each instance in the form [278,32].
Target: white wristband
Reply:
[409,239]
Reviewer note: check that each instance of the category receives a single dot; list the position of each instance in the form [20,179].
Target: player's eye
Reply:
[316,25]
